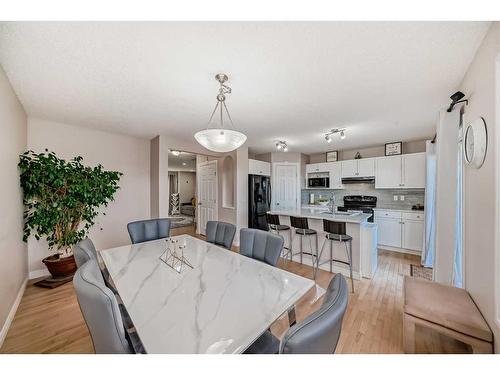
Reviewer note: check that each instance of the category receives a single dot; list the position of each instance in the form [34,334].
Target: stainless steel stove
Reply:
[364,203]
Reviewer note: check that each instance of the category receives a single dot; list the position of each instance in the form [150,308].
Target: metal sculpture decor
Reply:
[173,256]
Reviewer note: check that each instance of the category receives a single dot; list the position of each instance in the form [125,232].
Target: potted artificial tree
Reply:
[62,199]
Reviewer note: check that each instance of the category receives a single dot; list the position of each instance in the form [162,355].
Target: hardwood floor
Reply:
[49,321]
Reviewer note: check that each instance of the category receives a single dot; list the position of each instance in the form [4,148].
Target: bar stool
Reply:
[336,231]
[273,222]
[301,227]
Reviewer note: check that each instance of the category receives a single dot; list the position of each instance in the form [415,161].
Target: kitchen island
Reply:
[363,233]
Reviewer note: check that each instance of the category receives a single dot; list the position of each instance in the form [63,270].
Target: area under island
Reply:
[363,233]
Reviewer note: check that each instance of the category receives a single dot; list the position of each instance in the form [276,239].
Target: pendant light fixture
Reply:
[220,139]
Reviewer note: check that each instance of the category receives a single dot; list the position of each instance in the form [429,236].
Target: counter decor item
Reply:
[476,143]
[393,148]
[357,156]
[173,256]
[332,156]
[62,200]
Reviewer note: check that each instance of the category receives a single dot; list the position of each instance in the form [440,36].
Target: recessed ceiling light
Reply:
[175,152]
[184,164]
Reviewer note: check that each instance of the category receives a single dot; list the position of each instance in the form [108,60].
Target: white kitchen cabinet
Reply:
[413,234]
[259,167]
[317,167]
[366,167]
[388,172]
[335,169]
[349,168]
[389,231]
[358,168]
[400,171]
[400,230]
[414,170]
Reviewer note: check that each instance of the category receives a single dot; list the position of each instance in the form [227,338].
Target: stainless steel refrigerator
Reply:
[259,200]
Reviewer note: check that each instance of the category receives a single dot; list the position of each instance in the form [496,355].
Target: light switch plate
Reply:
[401,197]
[395,197]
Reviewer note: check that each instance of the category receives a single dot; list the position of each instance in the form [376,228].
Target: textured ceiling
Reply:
[383,81]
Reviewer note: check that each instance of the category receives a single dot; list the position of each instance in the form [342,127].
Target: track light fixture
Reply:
[329,135]
[281,146]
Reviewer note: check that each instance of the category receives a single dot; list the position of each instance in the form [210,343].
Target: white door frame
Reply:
[198,182]
[273,182]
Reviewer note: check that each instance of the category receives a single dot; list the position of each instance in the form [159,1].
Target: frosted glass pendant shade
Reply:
[220,140]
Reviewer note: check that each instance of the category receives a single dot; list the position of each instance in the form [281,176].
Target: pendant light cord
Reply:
[222,91]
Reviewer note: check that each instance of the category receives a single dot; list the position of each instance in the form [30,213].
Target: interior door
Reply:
[388,172]
[208,195]
[285,186]
[414,170]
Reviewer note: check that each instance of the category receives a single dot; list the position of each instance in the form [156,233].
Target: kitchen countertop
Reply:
[397,208]
[316,213]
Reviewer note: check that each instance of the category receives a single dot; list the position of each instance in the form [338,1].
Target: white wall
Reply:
[186,186]
[126,154]
[13,251]
[481,197]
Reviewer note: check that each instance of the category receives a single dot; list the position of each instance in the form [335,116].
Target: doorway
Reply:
[286,186]
[208,194]
[182,189]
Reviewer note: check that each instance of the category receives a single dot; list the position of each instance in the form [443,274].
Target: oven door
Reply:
[318,182]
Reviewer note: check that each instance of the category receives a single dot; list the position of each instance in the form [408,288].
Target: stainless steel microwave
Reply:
[318,182]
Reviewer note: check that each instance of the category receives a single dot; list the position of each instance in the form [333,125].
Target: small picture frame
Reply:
[332,156]
[393,148]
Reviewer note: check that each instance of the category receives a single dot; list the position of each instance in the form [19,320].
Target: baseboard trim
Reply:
[400,250]
[12,312]
[38,273]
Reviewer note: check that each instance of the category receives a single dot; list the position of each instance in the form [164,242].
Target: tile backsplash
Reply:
[385,197]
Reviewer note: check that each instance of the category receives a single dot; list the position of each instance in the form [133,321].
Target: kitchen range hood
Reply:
[358,180]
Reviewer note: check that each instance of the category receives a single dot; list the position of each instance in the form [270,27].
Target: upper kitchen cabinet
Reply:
[335,169]
[401,171]
[317,168]
[414,170]
[388,172]
[358,168]
[259,167]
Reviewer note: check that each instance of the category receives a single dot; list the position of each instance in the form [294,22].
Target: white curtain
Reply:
[446,211]
[458,258]
[430,206]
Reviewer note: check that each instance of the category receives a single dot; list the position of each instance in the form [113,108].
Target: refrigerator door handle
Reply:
[269,194]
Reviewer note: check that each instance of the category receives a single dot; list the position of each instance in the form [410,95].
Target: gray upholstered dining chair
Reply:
[220,233]
[100,310]
[84,251]
[261,245]
[318,333]
[148,230]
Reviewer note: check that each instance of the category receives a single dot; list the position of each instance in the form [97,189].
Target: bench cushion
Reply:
[445,305]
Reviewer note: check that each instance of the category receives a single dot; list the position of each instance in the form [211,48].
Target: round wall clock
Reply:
[475,143]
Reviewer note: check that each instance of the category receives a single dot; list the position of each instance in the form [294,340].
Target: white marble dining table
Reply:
[221,305]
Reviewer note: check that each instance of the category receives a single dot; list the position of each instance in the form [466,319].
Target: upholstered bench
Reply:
[445,309]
